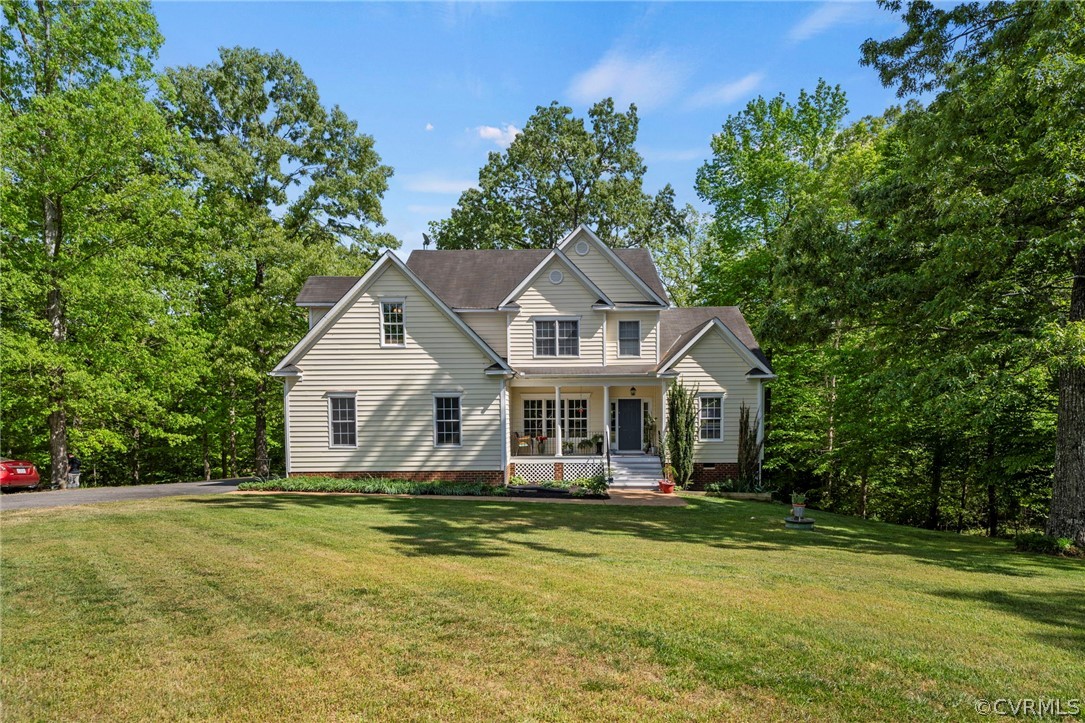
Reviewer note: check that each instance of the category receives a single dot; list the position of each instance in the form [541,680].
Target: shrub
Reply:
[749,451]
[682,413]
[717,488]
[596,484]
[372,485]
[1037,542]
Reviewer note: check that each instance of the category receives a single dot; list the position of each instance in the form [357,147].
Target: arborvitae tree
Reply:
[682,420]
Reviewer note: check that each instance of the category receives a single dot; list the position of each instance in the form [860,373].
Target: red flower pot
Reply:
[666,486]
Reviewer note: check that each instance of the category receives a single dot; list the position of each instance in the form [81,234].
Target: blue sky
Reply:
[440,85]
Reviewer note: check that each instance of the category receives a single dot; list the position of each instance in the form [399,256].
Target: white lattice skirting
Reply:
[535,472]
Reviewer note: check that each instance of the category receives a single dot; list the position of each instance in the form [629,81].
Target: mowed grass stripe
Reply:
[337,608]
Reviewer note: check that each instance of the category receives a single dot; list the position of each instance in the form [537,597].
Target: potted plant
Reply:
[798,505]
[586,445]
[666,486]
[597,440]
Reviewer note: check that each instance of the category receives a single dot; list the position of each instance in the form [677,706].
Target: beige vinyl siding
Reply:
[316,313]
[395,388]
[648,340]
[491,326]
[715,366]
[602,272]
[542,299]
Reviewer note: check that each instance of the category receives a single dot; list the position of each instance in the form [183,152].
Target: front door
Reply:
[629,425]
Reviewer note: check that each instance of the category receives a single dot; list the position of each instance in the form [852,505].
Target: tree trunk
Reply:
[206,456]
[863,494]
[135,457]
[992,511]
[933,514]
[1067,516]
[53,229]
[259,401]
[232,429]
[222,454]
[964,501]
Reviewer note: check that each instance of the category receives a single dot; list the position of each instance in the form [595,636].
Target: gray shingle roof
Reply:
[471,278]
[677,327]
[474,278]
[640,261]
[324,290]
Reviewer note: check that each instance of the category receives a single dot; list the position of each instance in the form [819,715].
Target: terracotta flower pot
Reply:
[666,486]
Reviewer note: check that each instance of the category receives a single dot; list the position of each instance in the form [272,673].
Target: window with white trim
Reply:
[629,338]
[342,421]
[575,421]
[557,337]
[392,328]
[446,420]
[711,417]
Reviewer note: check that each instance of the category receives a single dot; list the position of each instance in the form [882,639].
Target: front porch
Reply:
[576,418]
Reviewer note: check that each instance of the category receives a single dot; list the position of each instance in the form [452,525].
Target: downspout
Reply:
[504,431]
[286,422]
[760,427]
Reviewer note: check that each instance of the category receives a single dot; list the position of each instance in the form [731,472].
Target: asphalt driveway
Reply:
[91,495]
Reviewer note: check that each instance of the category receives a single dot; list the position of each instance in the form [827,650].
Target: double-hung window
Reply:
[575,422]
[392,329]
[446,420]
[711,418]
[629,338]
[342,420]
[557,337]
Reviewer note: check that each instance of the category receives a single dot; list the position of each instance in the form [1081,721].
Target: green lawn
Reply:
[311,607]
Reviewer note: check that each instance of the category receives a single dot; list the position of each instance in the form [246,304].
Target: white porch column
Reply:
[663,407]
[557,419]
[606,414]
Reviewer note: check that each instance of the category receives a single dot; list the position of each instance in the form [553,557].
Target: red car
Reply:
[18,473]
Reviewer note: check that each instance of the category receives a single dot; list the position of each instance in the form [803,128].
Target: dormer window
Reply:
[393,333]
[629,338]
[557,337]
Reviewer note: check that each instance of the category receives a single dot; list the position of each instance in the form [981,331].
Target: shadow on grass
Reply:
[1058,609]
[489,528]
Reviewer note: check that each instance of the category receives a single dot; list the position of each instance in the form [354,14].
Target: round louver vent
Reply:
[582,248]
[556,277]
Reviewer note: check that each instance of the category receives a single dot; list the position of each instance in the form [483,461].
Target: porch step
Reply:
[639,471]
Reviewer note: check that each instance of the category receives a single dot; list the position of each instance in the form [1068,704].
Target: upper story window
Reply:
[557,337]
[629,338]
[711,417]
[342,420]
[392,329]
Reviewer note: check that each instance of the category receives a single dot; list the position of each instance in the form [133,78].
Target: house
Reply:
[483,364]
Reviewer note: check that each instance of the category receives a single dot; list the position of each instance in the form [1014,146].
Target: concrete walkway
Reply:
[642,498]
[92,495]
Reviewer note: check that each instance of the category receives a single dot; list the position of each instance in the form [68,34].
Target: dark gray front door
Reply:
[629,424]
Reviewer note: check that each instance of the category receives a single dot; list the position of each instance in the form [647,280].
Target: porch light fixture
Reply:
[632,391]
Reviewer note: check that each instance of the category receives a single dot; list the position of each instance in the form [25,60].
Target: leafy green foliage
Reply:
[287,188]
[556,175]
[1038,542]
[749,451]
[682,430]
[371,485]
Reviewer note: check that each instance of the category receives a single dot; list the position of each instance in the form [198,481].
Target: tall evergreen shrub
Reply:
[681,431]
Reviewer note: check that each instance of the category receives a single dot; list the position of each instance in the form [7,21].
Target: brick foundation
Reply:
[705,473]
[487,476]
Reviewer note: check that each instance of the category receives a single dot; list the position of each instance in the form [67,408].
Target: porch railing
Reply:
[593,444]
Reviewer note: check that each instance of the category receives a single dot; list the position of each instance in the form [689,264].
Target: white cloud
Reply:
[429,212]
[824,17]
[649,81]
[429,126]
[726,93]
[436,183]
[503,136]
